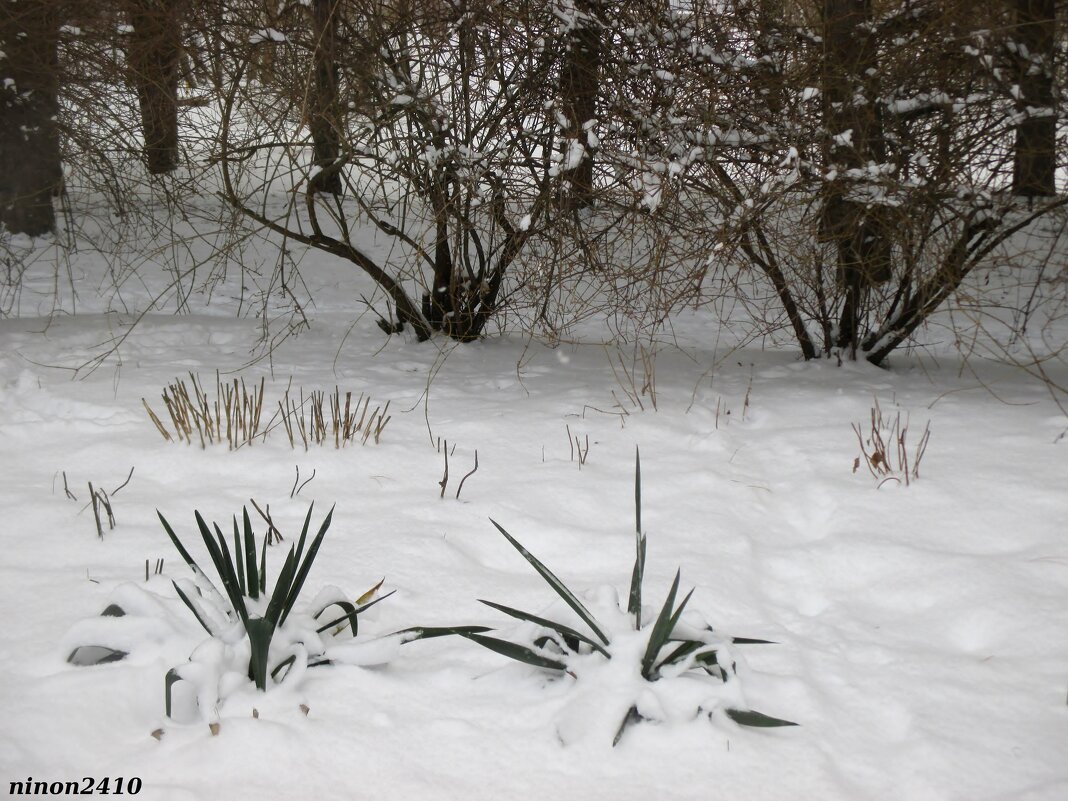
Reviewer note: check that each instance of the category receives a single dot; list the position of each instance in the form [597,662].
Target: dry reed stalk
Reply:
[156,421]
[235,414]
[885,452]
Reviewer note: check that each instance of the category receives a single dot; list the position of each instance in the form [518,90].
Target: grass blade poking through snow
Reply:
[223,568]
[747,717]
[564,631]
[632,716]
[178,543]
[556,584]
[239,552]
[430,632]
[520,653]
[252,574]
[305,567]
[637,576]
[663,628]
[193,608]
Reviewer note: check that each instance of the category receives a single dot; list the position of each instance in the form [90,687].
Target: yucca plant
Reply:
[671,647]
[245,607]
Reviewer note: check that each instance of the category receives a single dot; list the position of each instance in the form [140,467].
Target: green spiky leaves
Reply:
[663,630]
[558,586]
[242,573]
[560,647]
[648,650]
[748,717]
[637,576]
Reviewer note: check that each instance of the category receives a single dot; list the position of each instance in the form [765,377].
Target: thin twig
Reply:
[921,449]
[462,480]
[124,483]
[445,476]
[383,420]
[66,489]
[270,523]
[96,510]
[302,486]
[105,501]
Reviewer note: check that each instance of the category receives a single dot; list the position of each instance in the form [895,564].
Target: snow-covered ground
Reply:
[920,631]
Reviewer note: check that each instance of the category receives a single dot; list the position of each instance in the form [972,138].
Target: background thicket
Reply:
[839,168]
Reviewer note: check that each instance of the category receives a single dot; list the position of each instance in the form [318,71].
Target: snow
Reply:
[267,35]
[845,138]
[919,631]
[573,152]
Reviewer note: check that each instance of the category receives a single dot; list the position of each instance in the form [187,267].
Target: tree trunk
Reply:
[325,120]
[30,168]
[154,54]
[1035,160]
[438,304]
[854,138]
[579,83]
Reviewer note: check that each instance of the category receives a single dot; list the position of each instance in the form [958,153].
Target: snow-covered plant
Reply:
[630,652]
[249,627]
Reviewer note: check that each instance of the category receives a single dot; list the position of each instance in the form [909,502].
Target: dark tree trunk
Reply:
[769,16]
[438,304]
[854,137]
[31,172]
[1035,162]
[154,54]
[325,119]
[579,83]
